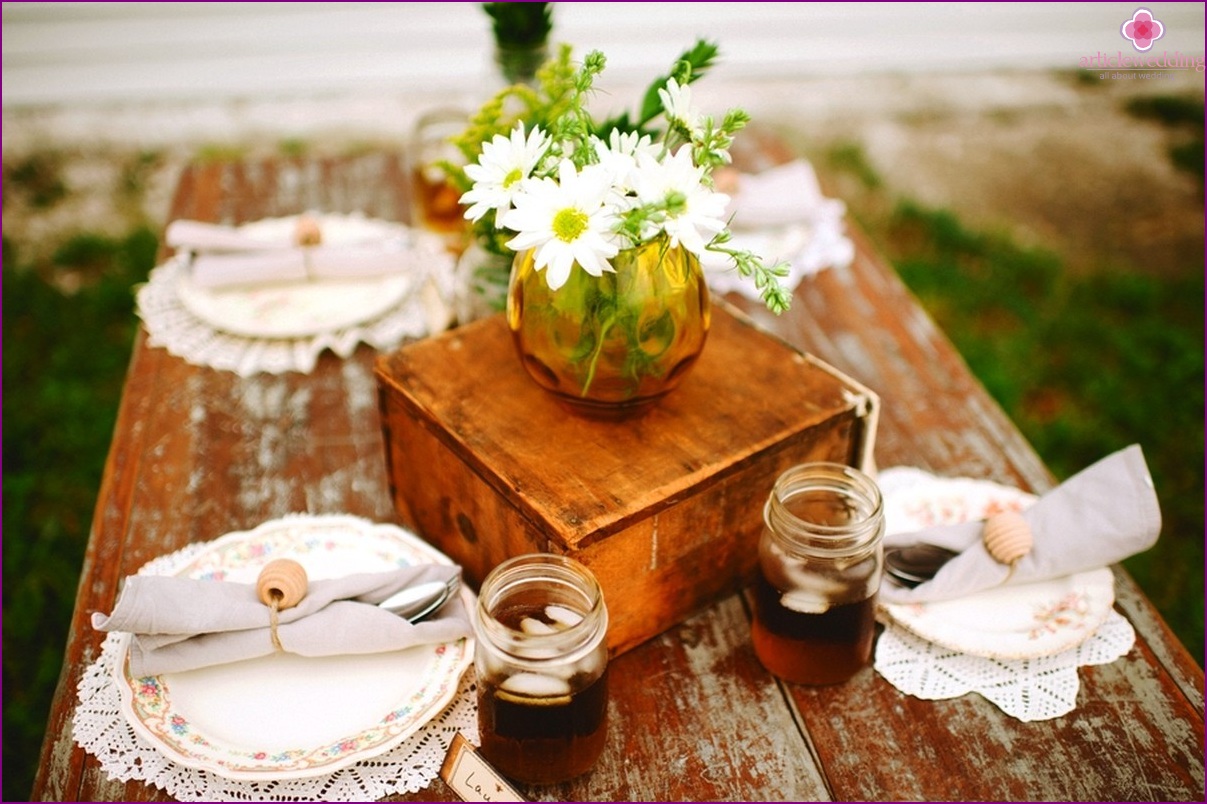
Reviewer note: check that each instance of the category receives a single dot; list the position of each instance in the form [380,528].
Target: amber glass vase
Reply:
[610,347]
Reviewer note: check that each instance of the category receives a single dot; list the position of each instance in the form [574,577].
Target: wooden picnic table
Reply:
[198,453]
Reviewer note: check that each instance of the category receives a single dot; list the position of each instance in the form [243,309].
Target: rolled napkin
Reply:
[224,256]
[1102,515]
[182,624]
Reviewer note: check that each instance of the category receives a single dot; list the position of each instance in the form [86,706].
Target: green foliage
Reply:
[551,105]
[1172,110]
[1188,157]
[1085,365]
[558,106]
[691,65]
[849,158]
[1184,115]
[39,177]
[135,172]
[556,92]
[293,147]
[66,357]
[520,24]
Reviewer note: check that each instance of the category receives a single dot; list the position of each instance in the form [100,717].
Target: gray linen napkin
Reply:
[182,624]
[1103,514]
[220,257]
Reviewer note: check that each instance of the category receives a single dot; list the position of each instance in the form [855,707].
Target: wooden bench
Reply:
[197,453]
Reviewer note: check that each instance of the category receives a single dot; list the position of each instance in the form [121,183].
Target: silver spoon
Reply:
[916,563]
[416,602]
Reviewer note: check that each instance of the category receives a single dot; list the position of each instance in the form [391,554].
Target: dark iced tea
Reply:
[439,203]
[826,647]
[539,727]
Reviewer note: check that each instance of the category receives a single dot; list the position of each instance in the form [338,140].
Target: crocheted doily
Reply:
[171,324]
[100,728]
[1037,688]
[1028,689]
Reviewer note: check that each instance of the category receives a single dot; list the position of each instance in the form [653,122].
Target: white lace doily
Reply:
[99,727]
[1028,689]
[173,326]
[1038,688]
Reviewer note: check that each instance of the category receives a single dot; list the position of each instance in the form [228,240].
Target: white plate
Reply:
[1019,621]
[1023,621]
[301,309]
[286,716]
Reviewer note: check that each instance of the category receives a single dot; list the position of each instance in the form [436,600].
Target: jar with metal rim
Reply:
[820,563]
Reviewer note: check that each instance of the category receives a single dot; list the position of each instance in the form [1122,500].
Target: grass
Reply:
[64,359]
[1182,114]
[1084,363]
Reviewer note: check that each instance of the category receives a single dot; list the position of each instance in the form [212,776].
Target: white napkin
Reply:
[222,256]
[785,194]
[1102,515]
[781,214]
[182,624]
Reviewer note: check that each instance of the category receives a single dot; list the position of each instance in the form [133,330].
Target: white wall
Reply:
[94,53]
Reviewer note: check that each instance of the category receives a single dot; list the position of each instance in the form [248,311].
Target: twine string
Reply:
[274,618]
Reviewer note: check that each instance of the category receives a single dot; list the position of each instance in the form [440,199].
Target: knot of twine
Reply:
[281,585]
[274,619]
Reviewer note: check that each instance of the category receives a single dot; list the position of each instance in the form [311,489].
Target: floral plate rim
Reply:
[146,702]
[1065,612]
[1019,621]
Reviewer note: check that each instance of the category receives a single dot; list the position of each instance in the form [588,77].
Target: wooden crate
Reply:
[666,510]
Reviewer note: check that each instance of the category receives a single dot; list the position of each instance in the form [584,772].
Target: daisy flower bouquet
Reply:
[604,224]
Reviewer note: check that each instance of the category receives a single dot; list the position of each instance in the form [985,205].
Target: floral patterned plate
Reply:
[1023,621]
[303,309]
[1019,621]
[287,716]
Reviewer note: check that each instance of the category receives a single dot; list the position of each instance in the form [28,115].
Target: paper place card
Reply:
[471,777]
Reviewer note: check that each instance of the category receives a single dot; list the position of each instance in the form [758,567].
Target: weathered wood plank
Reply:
[694,717]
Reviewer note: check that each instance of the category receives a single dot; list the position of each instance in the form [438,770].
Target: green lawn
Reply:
[64,363]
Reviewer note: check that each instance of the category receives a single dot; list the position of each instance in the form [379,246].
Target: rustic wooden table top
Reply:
[197,453]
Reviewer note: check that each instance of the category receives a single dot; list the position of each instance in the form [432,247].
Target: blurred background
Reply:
[1046,209]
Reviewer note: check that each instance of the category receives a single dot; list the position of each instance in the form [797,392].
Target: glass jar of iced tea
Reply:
[820,563]
[435,200]
[541,660]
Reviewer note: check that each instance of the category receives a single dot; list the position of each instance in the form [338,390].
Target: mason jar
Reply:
[819,569]
[541,660]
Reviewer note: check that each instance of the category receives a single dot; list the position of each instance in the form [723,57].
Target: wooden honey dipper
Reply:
[1007,537]
[281,585]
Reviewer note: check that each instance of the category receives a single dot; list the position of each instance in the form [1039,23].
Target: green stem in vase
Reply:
[599,345]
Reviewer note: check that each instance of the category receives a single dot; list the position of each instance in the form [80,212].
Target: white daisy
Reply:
[677,101]
[619,154]
[501,168]
[694,213]
[567,221]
